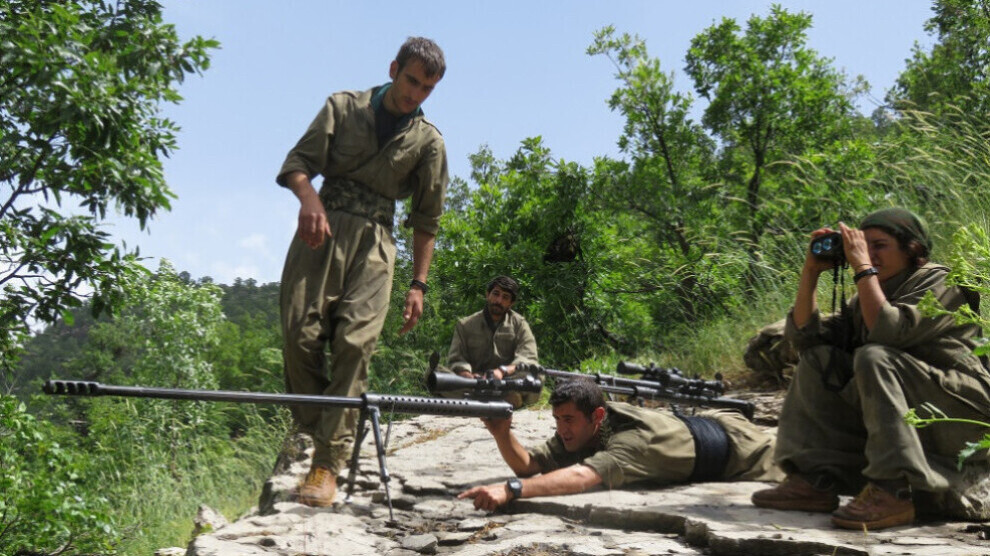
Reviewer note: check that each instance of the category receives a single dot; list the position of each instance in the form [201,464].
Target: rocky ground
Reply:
[431,459]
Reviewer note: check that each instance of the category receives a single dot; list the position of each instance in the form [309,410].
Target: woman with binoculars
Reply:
[861,369]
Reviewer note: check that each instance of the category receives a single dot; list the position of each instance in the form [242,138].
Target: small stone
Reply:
[208,520]
[453,538]
[471,524]
[424,544]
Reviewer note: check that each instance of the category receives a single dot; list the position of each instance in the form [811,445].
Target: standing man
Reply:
[372,148]
[615,443]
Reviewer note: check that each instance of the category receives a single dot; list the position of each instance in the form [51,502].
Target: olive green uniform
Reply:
[906,360]
[339,293]
[478,347]
[637,444]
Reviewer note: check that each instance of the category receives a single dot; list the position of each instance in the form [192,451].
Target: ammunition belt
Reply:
[355,198]
[711,448]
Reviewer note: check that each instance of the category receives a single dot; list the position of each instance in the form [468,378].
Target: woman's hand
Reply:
[855,248]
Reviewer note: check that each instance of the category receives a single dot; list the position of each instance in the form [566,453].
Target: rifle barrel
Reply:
[397,404]
[655,391]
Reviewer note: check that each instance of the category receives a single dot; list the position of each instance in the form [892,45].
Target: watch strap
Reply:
[864,273]
[419,284]
[515,487]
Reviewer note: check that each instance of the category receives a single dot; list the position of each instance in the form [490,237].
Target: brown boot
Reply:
[319,487]
[797,494]
[874,508]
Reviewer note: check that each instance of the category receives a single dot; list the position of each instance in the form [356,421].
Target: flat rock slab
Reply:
[431,459]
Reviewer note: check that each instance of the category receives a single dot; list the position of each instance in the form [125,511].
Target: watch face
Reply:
[515,487]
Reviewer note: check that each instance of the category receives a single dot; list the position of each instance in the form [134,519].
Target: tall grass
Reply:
[938,167]
[157,503]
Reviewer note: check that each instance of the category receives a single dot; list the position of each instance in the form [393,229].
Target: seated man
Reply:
[493,341]
[615,443]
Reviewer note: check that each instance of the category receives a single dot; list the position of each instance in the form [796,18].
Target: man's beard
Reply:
[496,309]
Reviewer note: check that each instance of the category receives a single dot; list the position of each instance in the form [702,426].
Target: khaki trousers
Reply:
[336,295]
[859,432]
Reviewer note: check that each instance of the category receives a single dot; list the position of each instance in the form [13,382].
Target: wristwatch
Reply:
[419,284]
[505,370]
[515,487]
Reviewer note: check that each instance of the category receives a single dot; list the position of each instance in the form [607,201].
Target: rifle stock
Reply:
[370,405]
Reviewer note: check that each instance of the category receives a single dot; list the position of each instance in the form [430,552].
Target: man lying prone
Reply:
[615,443]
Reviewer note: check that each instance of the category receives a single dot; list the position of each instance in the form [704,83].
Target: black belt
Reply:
[711,448]
[355,198]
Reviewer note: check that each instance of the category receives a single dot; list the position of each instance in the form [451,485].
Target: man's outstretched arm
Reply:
[517,457]
[569,480]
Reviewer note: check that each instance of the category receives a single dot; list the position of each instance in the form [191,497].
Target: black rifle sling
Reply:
[711,448]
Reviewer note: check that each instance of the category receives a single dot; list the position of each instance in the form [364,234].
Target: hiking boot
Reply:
[874,508]
[319,487]
[797,494]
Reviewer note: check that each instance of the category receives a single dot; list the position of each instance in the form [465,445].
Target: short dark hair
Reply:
[585,394]
[424,50]
[506,284]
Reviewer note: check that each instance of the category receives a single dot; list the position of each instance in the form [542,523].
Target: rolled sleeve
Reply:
[609,468]
[543,456]
[430,189]
[806,336]
[310,153]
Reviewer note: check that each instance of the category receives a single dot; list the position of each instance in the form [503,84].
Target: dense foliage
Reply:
[47,507]
[675,251]
[171,332]
[79,122]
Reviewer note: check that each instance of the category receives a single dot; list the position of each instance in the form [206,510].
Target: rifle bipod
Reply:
[374,414]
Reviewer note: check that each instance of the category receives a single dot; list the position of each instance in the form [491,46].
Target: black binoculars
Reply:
[828,247]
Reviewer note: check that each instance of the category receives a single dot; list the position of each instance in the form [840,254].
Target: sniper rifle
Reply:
[371,405]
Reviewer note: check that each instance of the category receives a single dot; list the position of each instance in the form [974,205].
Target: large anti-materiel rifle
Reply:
[370,405]
[655,383]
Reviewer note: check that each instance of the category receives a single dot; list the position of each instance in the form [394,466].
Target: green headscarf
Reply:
[901,222]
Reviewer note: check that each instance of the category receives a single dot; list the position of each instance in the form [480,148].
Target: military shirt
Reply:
[342,146]
[475,347]
[634,444]
[938,341]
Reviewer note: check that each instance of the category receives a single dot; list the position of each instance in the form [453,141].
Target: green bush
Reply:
[45,503]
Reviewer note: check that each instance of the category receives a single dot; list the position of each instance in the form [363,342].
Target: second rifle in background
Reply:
[659,384]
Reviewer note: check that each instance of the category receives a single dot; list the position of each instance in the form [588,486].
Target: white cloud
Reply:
[255,241]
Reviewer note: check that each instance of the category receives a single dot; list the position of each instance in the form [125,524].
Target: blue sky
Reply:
[515,70]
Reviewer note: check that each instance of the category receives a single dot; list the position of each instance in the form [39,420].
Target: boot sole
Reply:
[315,501]
[895,520]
